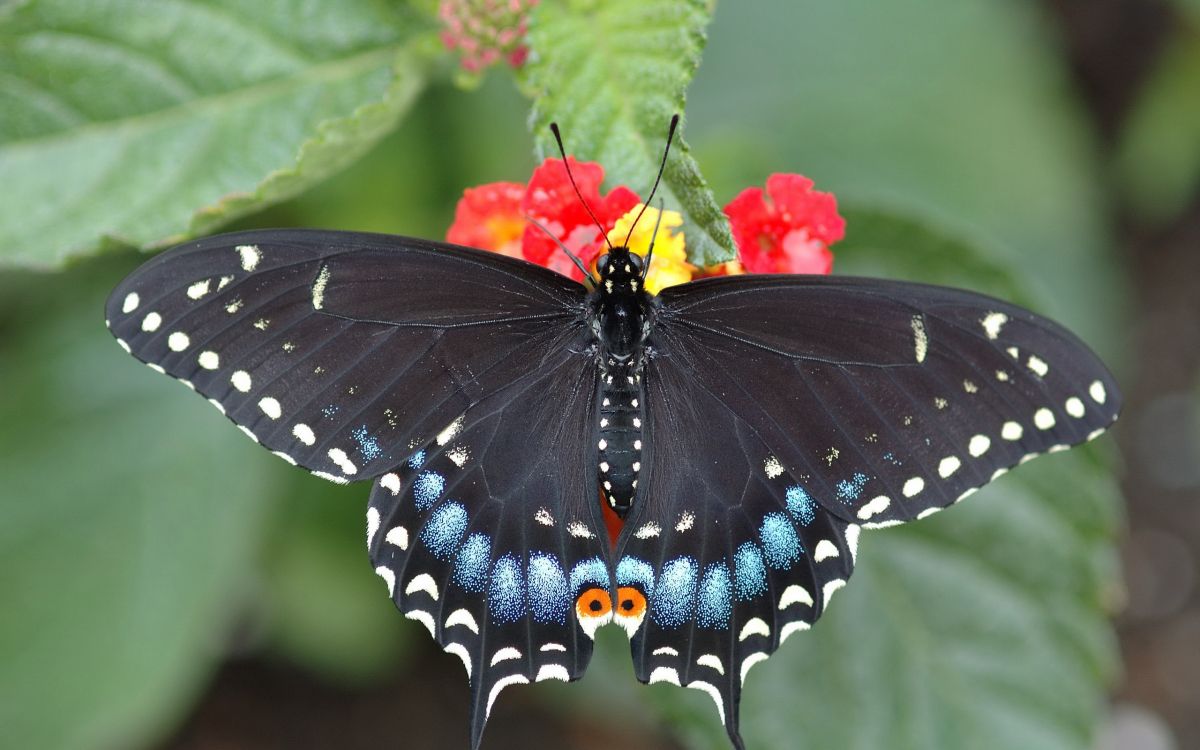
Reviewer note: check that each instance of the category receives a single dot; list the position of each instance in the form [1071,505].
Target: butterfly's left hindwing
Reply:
[786,414]
[487,540]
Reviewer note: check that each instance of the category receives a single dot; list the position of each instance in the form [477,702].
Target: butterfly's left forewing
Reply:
[788,413]
[333,349]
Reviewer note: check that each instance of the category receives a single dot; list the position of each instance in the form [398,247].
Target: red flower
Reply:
[551,200]
[787,231]
[789,234]
[489,217]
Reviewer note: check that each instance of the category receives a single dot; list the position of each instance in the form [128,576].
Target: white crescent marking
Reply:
[553,672]
[712,661]
[713,693]
[464,618]
[423,582]
[754,626]
[750,661]
[664,674]
[795,594]
[461,652]
[505,654]
[514,679]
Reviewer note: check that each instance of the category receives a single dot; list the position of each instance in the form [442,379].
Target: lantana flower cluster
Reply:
[486,31]
[787,229]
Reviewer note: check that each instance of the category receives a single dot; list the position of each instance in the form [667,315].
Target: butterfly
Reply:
[745,429]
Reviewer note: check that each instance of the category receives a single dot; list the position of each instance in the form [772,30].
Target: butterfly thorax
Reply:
[621,315]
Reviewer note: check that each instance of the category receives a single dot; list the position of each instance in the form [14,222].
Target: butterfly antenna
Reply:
[567,164]
[653,235]
[574,258]
[661,167]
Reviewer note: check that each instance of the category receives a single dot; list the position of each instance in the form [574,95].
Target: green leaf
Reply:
[955,112]
[886,244]
[1159,153]
[612,74]
[985,627]
[130,512]
[140,123]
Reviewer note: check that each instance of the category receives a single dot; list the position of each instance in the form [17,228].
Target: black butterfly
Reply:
[746,428]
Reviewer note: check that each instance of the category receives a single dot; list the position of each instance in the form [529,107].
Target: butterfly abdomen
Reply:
[620,436]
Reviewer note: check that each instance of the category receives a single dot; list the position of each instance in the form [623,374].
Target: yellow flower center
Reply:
[669,264]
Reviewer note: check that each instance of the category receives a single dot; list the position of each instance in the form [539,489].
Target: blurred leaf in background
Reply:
[129,525]
[143,123]
[146,532]
[1159,157]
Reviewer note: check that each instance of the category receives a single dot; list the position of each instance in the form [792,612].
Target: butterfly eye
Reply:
[637,261]
[602,264]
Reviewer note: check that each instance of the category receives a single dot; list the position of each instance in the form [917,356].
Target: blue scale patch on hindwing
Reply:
[547,589]
[715,595]
[589,572]
[750,572]
[781,546]
[506,595]
[632,570]
[801,505]
[416,460]
[674,596]
[427,488]
[471,567]
[444,529]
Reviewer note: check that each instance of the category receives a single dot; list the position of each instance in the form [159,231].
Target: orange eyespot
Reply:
[594,602]
[630,602]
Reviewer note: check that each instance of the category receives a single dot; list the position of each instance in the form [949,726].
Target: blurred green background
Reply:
[167,584]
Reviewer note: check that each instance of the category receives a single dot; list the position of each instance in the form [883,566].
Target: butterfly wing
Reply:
[787,413]
[459,379]
[336,350]
[494,539]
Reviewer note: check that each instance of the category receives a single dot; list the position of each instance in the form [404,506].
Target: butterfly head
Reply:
[621,272]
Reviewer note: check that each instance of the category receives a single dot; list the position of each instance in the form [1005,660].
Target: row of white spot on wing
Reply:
[579,530]
[422,582]
[755,626]
[712,661]
[687,519]
[793,595]
[671,675]
[825,550]
[1043,419]
[343,462]
[648,530]
[773,467]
